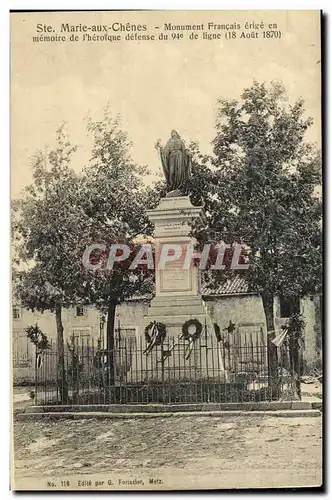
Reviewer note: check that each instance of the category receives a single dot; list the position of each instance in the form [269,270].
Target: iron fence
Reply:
[233,369]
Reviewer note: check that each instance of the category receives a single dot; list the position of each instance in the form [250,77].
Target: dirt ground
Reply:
[205,452]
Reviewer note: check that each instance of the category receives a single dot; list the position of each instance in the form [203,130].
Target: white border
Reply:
[4,185]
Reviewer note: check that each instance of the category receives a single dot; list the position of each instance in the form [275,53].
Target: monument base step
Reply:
[184,307]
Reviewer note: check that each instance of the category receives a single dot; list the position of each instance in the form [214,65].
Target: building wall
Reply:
[132,314]
[245,311]
[24,351]
[318,304]
[46,321]
[312,331]
[312,328]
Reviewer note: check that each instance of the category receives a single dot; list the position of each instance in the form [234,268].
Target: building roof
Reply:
[233,286]
[236,285]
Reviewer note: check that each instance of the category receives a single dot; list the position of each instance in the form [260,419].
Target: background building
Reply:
[229,302]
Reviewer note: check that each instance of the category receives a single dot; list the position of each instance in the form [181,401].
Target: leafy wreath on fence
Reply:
[161,327]
[185,329]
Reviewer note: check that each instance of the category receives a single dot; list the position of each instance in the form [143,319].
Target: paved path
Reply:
[198,452]
[17,398]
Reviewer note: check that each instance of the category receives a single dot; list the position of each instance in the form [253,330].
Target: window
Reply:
[23,350]
[80,311]
[125,333]
[81,333]
[289,306]
[16,313]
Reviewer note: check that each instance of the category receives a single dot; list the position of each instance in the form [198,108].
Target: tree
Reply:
[46,236]
[294,342]
[37,338]
[114,201]
[261,192]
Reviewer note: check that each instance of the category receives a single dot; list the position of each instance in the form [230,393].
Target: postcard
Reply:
[166,188]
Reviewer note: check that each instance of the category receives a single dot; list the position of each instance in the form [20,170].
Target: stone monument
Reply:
[176,163]
[177,297]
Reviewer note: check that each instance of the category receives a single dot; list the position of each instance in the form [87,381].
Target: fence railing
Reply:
[234,369]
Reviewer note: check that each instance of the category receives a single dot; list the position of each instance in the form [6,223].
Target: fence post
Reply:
[162,368]
[207,363]
[36,374]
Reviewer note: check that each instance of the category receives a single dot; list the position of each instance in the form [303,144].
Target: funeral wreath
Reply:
[191,329]
[155,331]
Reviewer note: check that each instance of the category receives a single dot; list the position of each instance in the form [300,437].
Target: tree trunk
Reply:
[110,340]
[61,371]
[272,357]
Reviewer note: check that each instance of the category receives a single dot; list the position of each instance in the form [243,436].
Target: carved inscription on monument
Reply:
[175,278]
[172,228]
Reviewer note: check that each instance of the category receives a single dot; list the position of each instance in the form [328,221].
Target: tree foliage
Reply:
[45,227]
[37,337]
[114,201]
[261,189]
[46,236]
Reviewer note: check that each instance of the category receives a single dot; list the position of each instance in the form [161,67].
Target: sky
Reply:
[154,86]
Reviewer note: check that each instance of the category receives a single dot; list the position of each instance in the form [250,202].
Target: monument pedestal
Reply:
[178,299]
[178,295]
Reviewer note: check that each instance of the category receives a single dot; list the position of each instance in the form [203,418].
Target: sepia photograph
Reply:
[166,250]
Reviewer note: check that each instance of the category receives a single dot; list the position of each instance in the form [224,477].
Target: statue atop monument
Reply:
[176,163]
